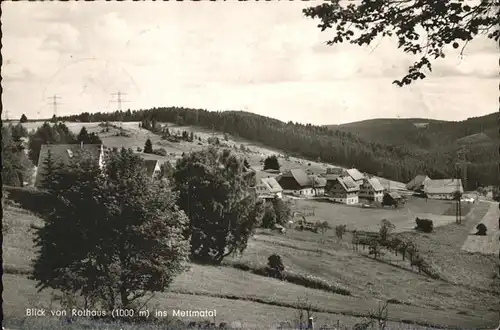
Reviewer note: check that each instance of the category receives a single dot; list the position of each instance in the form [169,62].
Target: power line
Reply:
[461,174]
[54,103]
[119,99]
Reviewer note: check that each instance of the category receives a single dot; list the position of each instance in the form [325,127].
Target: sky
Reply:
[262,57]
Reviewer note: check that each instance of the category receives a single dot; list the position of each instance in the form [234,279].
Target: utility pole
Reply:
[461,173]
[119,101]
[54,104]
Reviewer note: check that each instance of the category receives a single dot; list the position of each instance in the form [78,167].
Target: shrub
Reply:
[481,229]
[385,230]
[307,281]
[340,230]
[160,152]
[275,266]
[425,225]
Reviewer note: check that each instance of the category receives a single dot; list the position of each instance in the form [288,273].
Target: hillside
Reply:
[307,141]
[477,136]
[437,134]
[372,148]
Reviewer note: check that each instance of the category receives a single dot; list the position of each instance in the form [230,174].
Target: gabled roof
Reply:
[348,183]
[355,174]
[64,153]
[375,183]
[271,184]
[394,195]
[336,171]
[417,182]
[332,173]
[300,176]
[319,182]
[150,165]
[263,174]
[445,186]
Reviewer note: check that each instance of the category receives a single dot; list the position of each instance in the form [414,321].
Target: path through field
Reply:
[489,244]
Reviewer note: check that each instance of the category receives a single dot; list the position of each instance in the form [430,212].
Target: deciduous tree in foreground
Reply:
[422,27]
[114,237]
[213,192]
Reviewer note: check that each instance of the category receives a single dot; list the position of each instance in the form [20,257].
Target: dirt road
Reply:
[489,244]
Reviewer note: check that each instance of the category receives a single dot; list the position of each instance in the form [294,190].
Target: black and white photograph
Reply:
[250,164]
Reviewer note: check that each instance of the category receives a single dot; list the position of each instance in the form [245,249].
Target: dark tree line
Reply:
[16,167]
[400,163]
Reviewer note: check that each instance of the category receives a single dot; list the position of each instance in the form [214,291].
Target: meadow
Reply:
[251,300]
[465,295]
[368,219]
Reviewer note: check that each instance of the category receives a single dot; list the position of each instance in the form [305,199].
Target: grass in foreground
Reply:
[432,301]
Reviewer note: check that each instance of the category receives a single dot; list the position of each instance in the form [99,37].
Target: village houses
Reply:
[298,183]
[443,189]
[417,184]
[342,189]
[268,188]
[371,189]
[64,153]
[353,173]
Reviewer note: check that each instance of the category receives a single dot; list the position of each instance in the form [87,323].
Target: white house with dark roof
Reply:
[371,189]
[65,153]
[417,184]
[356,175]
[342,190]
[152,167]
[443,189]
[319,184]
[268,188]
[296,182]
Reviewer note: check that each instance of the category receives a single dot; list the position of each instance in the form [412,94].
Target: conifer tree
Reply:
[148,147]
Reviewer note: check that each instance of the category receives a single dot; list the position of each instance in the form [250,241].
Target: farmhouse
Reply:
[152,167]
[319,184]
[333,172]
[343,190]
[268,188]
[392,198]
[64,153]
[356,175]
[296,182]
[443,189]
[371,189]
[417,184]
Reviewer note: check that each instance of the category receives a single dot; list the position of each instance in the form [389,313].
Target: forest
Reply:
[322,143]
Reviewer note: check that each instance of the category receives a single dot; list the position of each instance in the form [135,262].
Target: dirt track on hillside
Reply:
[489,244]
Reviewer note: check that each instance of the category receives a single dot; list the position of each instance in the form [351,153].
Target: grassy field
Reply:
[489,244]
[465,296]
[238,295]
[369,219]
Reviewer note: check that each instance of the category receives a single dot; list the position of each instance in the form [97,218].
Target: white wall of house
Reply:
[440,196]
[351,200]
[371,195]
[306,192]
[319,191]
[262,189]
